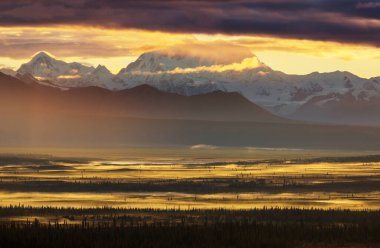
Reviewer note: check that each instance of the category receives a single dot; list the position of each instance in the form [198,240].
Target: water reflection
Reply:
[197,183]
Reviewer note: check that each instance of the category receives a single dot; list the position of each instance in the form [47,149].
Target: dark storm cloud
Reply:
[333,20]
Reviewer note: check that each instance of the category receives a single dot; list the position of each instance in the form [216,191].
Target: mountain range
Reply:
[142,101]
[335,97]
[34,114]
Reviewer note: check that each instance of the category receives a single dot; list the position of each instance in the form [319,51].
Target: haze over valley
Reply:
[46,112]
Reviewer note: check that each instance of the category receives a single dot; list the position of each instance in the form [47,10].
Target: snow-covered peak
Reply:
[164,61]
[46,67]
[42,56]
[101,76]
[101,70]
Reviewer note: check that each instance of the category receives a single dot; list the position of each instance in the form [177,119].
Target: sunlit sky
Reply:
[294,40]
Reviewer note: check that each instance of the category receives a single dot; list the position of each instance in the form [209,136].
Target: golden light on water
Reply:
[162,200]
[310,185]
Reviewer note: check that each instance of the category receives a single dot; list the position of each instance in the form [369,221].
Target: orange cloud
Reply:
[247,63]
[116,48]
[69,76]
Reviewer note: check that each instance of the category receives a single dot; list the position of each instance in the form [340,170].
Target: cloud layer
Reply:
[350,21]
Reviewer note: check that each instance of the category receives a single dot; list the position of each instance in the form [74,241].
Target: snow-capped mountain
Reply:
[45,67]
[50,71]
[159,61]
[187,75]
[352,100]
[100,76]
[296,96]
[278,92]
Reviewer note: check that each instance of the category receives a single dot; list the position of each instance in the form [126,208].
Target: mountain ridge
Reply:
[290,96]
[39,115]
[141,101]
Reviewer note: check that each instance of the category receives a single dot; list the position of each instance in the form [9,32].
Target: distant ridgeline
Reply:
[38,115]
[335,97]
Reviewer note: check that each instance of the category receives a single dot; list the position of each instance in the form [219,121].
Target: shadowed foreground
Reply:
[107,227]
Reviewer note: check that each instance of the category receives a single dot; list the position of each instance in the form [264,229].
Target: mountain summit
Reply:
[164,61]
[45,67]
[58,73]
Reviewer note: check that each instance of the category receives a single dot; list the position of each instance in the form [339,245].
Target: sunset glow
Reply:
[192,123]
[116,48]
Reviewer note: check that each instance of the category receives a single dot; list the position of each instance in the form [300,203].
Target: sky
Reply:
[293,36]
